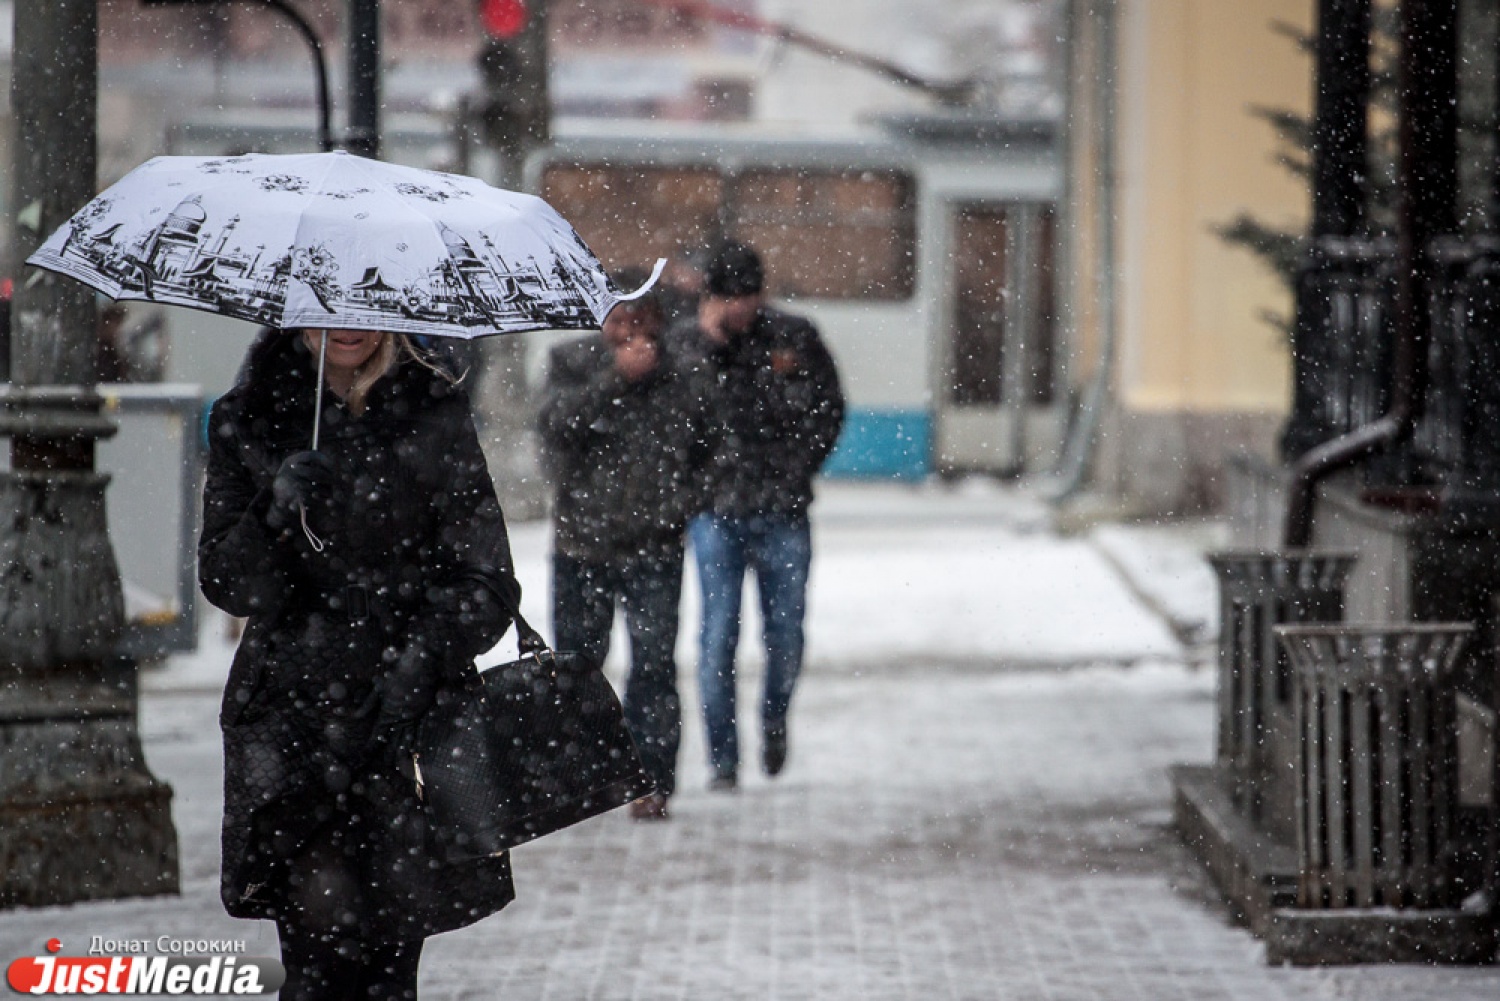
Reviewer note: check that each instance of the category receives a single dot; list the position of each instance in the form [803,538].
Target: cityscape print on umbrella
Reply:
[456,284]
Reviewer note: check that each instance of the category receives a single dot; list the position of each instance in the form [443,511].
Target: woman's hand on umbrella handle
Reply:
[304,480]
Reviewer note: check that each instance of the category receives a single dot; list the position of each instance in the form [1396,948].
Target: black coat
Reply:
[780,408]
[352,643]
[628,459]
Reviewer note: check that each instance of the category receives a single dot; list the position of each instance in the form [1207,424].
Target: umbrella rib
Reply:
[315,189]
[422,226]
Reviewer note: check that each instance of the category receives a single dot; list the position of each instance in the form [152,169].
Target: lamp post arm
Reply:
[325,112]
[320,65]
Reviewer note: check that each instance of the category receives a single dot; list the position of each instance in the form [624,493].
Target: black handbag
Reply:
[525,749]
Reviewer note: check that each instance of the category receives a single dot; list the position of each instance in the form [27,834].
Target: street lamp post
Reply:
[81,817]
[320,66]
[363,136]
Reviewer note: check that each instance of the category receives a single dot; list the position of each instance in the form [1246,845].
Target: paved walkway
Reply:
[941,833]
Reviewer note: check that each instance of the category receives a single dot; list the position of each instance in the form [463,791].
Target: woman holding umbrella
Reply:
[372,571]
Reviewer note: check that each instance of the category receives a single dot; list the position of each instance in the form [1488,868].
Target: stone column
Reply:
[81,817]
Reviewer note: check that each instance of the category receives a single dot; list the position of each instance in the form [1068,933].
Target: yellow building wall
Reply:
[1192,157]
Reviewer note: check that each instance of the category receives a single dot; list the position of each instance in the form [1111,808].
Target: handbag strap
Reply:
[528,640]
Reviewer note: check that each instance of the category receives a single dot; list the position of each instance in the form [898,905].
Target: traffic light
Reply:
[513,67]
[503,18]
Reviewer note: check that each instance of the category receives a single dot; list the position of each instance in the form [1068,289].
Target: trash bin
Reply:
[1257,738]
[1375,706]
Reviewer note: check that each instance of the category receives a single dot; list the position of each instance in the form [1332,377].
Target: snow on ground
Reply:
[903,575]
[929,574]
[949,826]
[1165,564]
[938,834]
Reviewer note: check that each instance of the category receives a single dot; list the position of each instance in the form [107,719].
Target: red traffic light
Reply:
[503,18]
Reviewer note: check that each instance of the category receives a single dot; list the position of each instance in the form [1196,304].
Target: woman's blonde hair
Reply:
[376,367]
[388,354]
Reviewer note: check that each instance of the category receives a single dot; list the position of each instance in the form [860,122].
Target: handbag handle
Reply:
[528,640]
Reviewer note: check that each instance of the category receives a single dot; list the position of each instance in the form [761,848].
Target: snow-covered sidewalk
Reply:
[976,805]
[968,575]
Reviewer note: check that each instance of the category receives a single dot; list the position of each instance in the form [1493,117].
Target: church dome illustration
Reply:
[186,220]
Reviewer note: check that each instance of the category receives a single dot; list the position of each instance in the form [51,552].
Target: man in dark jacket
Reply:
[626,438]
[778,399]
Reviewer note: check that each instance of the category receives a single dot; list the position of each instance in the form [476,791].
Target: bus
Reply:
[921,246]
[923,250]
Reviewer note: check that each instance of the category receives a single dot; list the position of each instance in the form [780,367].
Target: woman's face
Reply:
[347,349]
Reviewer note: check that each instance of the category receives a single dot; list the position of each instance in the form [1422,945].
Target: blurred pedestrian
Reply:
[130,351]
[372,571]
[778,400]
[626,439]
[681,284]
[110,363]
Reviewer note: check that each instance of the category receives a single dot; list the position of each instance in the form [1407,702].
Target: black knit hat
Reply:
[735,269]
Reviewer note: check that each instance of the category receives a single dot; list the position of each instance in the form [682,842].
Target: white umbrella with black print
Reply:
[331,240]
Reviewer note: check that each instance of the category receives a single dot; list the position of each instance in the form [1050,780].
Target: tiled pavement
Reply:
[938,835]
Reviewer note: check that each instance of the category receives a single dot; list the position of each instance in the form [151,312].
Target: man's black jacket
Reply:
[628,459]
[780,407]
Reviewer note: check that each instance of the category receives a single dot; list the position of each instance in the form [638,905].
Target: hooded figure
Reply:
[372,572]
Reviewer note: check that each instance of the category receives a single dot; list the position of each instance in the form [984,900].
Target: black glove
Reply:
[407,689]
[304,481]
[408,686]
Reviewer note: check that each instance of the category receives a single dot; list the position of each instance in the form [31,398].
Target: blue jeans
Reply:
[649,590]
[779,549]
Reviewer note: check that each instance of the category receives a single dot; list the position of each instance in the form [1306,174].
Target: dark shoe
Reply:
[652,807]
[773,751]
[723,782]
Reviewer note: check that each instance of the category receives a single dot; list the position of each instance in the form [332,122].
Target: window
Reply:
[983,369]
[629,216]
[827,234]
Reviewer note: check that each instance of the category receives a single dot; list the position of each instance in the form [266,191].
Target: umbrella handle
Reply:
[318,399]
[661,263]
[316,542]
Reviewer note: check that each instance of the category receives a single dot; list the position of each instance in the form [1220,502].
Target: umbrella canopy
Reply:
[331,240]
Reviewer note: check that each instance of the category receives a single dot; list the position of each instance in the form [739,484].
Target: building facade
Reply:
[1163,156]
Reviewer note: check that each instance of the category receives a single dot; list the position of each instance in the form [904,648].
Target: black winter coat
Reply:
[352,643]
[780,407]
[628,459]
